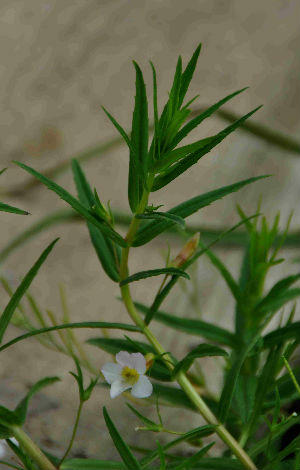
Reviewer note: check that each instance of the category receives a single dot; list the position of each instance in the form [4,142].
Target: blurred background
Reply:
[62,60]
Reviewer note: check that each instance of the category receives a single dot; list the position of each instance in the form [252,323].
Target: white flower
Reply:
[128,373]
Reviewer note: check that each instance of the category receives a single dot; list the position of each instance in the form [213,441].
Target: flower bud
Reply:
[149,360]
[187,251]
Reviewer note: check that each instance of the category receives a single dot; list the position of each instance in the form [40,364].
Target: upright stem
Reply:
[182,379]
[73,433]
[32,449]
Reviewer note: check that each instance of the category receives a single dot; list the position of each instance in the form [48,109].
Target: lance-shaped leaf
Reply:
[150,230]
[139,141]
[162,294]
[92,464]
[278,295]
[22,407]
[154,272]
[187,75]
[192,326]
[88,324]
[107,251]
[184,164]
[231,283]
[237,361]
[120,129]
[193,123]
[162,215]
[174,155]
[17,296]
[12,209]
[73,202]
[121,446]
[281,335]
[196,433]
[191,461]
[8,418]
[203,350]
[151,425]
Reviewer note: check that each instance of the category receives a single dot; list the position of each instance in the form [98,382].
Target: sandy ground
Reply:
[62,60]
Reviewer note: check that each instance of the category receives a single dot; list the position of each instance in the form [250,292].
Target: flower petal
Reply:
[139,362]
[118,387]
[143,388]
[111,372]
[123,358]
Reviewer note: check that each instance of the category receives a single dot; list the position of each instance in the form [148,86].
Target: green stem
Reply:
[182,379]
[73,433]
[32,449]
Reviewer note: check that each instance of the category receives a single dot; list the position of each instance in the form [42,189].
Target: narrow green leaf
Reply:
[27,280]
[139,142]
[106,250]
[154,272]
[198,119]
[237,360]
[73,202]
[121,446]
[173,156]
[184,164]
[196,433]
[92,464]
[162,215]
[281,335]
[12,209]
[231,283]
[203,350]
[150,230]
[107,325]
[21,410]
[156,139]
[244,396]
[292,375]
[193,327]
[146,421]
[119,129]
[8,418]
[277,431]
[278,295]
[173,103]
[187,75]
[191,461]
[161,456]
[162,294]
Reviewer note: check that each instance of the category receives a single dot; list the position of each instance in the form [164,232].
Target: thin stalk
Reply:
[182,379]
[64,340]
[32,449]
[72,336]
[73,433]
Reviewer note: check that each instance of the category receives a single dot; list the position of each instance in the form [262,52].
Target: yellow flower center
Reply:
[130,375]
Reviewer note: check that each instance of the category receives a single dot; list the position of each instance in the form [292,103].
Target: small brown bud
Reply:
[149,360]
[187,251]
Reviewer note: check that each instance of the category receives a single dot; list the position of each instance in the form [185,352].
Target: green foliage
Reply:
[260,380]
[75,204]
[107,250]
[84,393]
[203,350]
[125,453]
[153,272]
[151,229]
[15,299]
